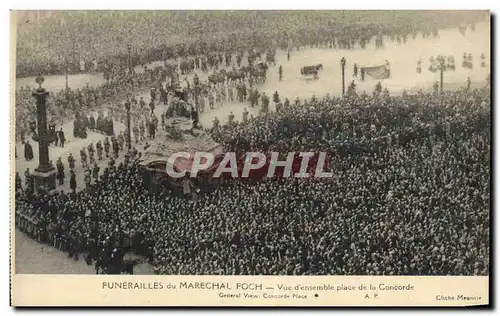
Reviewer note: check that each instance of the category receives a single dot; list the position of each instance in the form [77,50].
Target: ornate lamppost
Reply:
[45,174]
[129,142]
[441,65]
[129,49]
[342,64]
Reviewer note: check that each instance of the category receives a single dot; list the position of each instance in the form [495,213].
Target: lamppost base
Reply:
[44,181]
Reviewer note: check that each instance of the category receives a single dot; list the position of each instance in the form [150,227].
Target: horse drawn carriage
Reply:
[311,70]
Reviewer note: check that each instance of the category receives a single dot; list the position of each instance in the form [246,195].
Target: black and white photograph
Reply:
[394,106]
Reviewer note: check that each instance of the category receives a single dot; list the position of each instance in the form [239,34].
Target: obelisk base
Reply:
[45,182]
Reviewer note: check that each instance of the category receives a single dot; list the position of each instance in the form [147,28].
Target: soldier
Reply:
[468,83]
[111,163]
[280,72]
[263,98]
[386,93]
[87,178]
[297,101]
[251,97]
[276,97]
[256,96]
[152,127]
[19,183]
[106,146]
[142,128]
[121,140]
[245,116]
[279,106]
[244,91]
[91,151]
[95,172]
[196,80]
[72,181]
[216,123]
[92,125]
[61,137]
[230,93]
[115,145]
[83,156]
[451,62]
[265,103]
[142,103]
[195,117]
[98,148]
[435,87]
[351,90]
[152,106]
[135,130]
[163,122]
[287,103]
[60,171]
[29,181]
[153,95]
[71,161]
[362,74]
[378,87]
[230,118]
[125,137]
[355,71]
[211,99]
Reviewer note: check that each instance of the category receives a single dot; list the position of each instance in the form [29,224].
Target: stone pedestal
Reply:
[44,181]
[45,174]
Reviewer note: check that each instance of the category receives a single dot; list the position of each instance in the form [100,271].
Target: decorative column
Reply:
[342,64]
[129,51]
[129,136]
[45,174]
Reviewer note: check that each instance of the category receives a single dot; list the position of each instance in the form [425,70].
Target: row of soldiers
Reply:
[449,63]
[87,156]
[254,99]
[467,61]
[117,144]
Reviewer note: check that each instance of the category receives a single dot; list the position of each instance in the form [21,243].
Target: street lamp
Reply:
[127,107]
[45,174]
[129,49]
[66,74]
[342,64]
[441,66]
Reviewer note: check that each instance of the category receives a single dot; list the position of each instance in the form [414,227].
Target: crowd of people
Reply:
[410,195]
[69,104]
[195,32]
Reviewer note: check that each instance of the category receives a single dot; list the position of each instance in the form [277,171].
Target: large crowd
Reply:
[67,104]
[92,37]
[410,195]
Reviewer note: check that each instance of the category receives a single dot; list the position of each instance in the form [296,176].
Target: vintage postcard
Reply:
[250,158]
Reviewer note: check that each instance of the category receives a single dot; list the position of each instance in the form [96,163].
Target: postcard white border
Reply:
[221,4]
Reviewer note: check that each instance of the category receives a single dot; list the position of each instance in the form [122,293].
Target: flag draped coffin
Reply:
[378,72]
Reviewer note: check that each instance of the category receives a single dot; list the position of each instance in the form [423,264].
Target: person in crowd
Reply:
[28,151]
[60,171]
[61,137]
[72,181]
